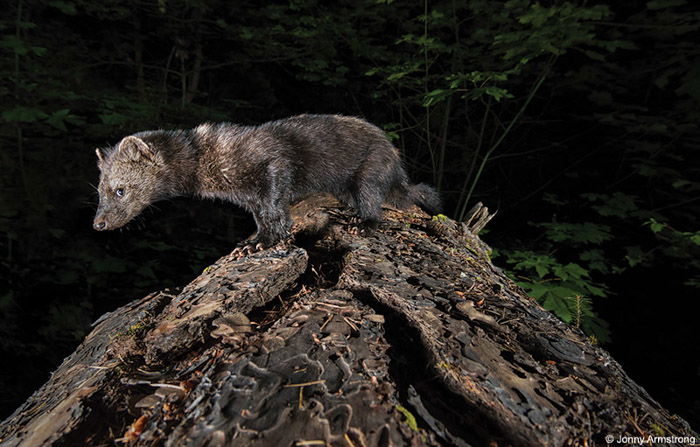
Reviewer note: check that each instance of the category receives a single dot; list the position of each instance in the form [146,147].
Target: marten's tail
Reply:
[425,196]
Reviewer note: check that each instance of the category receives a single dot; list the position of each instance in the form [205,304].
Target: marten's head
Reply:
[130,180]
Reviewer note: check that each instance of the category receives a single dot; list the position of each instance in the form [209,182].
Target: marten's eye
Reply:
[120,192]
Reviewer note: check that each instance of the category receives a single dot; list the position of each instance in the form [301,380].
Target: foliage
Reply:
[565,289]
[578,118]
[519,47]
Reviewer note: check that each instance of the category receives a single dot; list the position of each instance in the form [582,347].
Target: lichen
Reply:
[410,418]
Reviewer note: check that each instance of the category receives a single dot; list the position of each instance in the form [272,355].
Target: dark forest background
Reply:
[577,121]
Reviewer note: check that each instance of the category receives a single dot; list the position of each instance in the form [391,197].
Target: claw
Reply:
[247,250]
[251,246]
[240,252]
[358,226]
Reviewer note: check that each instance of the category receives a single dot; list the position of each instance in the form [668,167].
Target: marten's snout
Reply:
[99,225]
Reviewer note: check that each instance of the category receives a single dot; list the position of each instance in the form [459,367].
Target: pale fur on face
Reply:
[132,168]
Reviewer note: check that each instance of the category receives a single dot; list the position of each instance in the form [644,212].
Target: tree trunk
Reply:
[138,60]
[403,335]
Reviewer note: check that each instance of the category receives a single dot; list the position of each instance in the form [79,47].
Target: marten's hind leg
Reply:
[368,205]
[373,182]
[368,196]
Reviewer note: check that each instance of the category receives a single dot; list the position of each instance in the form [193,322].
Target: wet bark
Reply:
[403,335]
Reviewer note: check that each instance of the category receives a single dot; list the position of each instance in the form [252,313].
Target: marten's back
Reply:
[328,153]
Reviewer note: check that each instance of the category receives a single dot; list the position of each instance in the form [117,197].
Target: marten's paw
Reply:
[252,246]
[355,230]
[361,227]
[247,249]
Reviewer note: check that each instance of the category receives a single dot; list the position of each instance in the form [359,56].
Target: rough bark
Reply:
[404,335]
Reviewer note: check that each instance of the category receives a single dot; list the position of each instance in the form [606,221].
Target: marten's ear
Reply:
[100,157]
[136,149]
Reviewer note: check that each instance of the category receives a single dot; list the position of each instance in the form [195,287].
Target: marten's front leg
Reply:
[274,225]
[270,208]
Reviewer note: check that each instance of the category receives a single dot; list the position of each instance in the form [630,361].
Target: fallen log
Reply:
[402,335]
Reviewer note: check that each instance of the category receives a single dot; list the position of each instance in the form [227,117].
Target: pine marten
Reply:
[263,168]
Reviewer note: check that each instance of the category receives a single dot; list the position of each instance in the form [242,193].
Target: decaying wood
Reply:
[403,335]
[477,218]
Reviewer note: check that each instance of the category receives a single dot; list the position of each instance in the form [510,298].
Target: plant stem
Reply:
[505,133]
[443,143]
[461,207]
[18,126]
[425,88]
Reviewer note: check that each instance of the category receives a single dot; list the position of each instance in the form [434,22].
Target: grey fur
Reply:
[262,168]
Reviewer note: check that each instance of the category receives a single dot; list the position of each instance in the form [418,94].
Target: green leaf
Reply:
[23,115]
[396,76]
[535,290]
[634,255]
[595,260]
[618,204]
[596,327]
[65,7]
[695,238]
[661,4]
[557,304]
[553,199]
[58,119]
[436,96]
[594,55]
[655,225]
[576,233]
[498,93]
[39,51]
[593,290]
[113,119]
[6,301]
[576,271]
[16,44]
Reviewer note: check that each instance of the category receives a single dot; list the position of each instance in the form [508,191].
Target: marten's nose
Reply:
[99,225]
